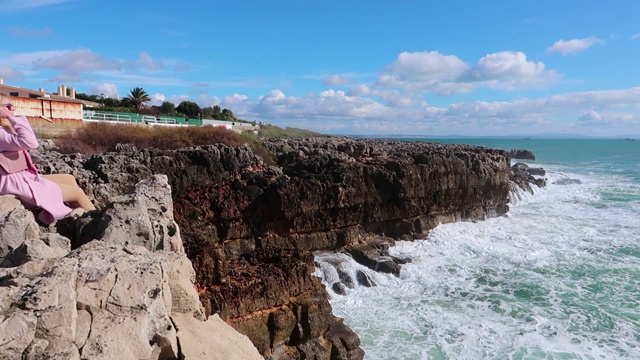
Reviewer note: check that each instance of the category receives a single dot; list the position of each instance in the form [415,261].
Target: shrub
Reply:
[94,138]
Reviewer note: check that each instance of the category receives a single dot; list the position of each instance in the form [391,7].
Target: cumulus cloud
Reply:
[327,104]
[595,111]
[336,80]
[75,62]
[157,99]
[449,75]
[425,66]
[509,70]
[359,90]
[108,89]
[14,5]
[574,45]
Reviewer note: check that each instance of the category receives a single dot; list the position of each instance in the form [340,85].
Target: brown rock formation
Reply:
[250,229]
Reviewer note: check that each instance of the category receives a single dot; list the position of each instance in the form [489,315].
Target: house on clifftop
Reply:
[42,108]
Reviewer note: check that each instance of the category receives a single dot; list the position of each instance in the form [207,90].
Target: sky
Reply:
[352,67]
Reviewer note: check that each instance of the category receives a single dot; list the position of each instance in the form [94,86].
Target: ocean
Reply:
[558,277]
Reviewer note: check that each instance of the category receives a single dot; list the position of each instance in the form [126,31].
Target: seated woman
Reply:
[18,175]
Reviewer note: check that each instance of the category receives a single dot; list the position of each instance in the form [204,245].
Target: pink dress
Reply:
[34,190]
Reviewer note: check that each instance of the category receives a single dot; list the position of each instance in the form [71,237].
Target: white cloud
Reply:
[359,90]
[157,99]
[9,73]
[449,75]
[635,36]
[336,80]
[509,70]
[574,45]
[589,115]
[108,89]
[595,112]
[235,99]
[336,111]
[14,5]
[148,63]
[425,66]
[75,62]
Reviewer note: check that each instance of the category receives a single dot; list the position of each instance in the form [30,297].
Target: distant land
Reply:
[514,136]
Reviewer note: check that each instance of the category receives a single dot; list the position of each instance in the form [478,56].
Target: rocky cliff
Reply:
[251,229]
[116,297]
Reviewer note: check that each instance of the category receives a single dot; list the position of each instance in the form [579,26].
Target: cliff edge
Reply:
[251,229]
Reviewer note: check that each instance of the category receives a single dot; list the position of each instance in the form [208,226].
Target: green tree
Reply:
[167,107]
[217,113]
[137,97]
[189,108]
[207,112]
[227,115]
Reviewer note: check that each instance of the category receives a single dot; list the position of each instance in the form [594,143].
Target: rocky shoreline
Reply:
[251,230]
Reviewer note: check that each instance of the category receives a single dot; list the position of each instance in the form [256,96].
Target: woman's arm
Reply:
[23,139]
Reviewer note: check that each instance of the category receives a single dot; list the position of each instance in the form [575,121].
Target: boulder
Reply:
[106,301]
[144,217]
[522,154]
[17,225]
[212,339]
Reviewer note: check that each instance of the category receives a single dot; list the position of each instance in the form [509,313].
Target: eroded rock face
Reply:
[109,298]
[251,229]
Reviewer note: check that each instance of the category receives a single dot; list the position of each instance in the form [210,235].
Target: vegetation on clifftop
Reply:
[97,138]
[274,132]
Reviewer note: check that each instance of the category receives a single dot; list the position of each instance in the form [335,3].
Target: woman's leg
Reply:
[71,192]
[67,179]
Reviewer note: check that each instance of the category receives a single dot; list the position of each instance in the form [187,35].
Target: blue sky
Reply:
[347,67]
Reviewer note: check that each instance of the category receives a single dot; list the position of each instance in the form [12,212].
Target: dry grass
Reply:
[96,138]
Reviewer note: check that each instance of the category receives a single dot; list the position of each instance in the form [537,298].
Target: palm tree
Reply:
[137,97]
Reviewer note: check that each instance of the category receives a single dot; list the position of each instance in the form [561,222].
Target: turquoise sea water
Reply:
[557,278]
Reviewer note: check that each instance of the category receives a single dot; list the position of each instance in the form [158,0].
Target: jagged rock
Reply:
[374,254]
[567,181]
[17,225]
[104,301]
[9,203]
[522,154]
[48,246]
[339,288]
[364,279]
[250,229]
[144,218]
[522,175]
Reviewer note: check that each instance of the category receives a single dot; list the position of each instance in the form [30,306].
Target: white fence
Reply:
[92,115]
[148,119]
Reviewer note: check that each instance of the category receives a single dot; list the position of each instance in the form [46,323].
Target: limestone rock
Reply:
[48,246]
[105,301]
[17,225]
[144,218]
[212,339]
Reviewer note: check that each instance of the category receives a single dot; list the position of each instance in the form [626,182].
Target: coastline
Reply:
[250,229]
